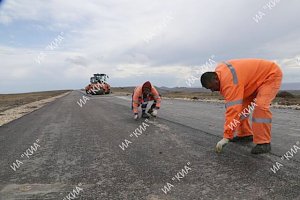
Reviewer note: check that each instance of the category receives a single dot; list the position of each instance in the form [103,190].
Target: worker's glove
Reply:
[221,144]
[136,116]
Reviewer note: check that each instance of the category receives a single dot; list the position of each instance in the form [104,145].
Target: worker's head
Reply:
[146,89]
[210,80]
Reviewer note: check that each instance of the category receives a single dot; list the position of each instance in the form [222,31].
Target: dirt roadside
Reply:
[14,106]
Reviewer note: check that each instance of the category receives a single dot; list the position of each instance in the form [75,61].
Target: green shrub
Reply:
[285,94]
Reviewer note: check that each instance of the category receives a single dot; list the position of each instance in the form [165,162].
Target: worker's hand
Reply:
[221,144]
[136,116]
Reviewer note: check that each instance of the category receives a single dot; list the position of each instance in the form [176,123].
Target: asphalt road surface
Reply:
[64,151]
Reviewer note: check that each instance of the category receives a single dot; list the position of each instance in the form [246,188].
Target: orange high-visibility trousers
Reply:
[244,128]
[262,116]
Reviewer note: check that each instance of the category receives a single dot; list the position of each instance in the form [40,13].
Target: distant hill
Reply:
[290,86]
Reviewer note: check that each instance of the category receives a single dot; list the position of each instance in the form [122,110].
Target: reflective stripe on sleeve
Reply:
[244,117]
[233,72]
[232,103]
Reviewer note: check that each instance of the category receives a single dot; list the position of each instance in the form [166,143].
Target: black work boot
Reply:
[261,148]
[145,115]
[248,138]
[150,111]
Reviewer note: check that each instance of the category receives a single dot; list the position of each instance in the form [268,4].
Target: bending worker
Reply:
[246,82]
[141,95]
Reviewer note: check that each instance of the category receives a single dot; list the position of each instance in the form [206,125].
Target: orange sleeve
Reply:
[135,99]
[156,96]
[233,95]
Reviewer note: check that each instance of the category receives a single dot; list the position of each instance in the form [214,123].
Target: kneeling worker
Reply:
[242,82]
[141,95]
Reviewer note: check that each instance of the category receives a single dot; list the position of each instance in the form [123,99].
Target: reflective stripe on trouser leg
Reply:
[261,125]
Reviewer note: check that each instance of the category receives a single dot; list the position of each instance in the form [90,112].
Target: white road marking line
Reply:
[122,97]
[295,129]
[273,124]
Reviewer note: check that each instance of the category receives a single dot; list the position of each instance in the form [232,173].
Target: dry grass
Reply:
[287,101]
[8,101]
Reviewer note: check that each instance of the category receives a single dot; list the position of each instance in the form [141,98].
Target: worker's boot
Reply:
[145,115]
[150,111]
[248,138]
[261,148]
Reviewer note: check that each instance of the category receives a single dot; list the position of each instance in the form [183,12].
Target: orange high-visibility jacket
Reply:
[137,97]
[239,79]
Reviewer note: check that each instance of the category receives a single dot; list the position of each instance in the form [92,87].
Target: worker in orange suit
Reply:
[141,96]
[241,82]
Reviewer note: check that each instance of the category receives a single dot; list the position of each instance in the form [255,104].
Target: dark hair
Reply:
[207,77]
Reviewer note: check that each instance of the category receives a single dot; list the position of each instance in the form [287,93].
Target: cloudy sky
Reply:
[59,44]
